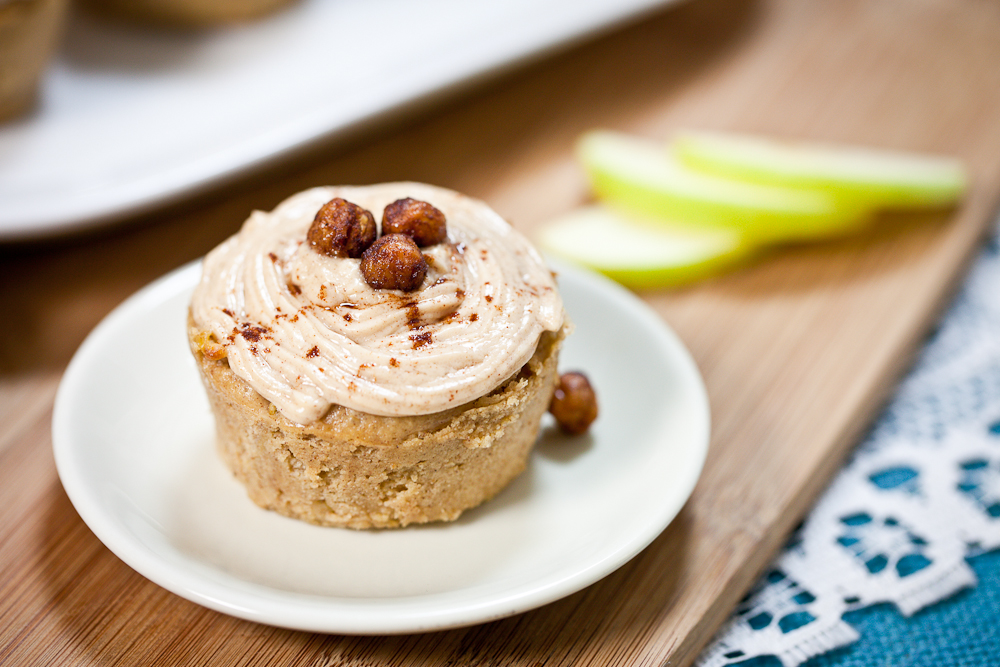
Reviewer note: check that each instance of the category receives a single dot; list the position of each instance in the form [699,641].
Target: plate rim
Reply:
[299,611]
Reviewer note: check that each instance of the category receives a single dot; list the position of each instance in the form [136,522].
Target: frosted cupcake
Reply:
[342,400]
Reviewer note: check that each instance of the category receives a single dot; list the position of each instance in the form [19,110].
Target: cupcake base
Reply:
[356,470]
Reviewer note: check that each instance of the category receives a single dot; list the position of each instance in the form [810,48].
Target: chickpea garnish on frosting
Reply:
[342,229]
[394,261]
[419,220]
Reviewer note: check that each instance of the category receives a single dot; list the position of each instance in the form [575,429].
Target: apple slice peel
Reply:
[711,199]
[641,253]
[640,176]
[864,177]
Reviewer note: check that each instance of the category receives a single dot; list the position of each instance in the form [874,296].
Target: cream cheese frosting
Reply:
[306,331]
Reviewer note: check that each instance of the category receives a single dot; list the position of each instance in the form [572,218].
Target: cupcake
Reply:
[190,13]
[368,380]
[29,31]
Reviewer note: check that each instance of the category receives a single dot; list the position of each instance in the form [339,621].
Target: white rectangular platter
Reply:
[133,118]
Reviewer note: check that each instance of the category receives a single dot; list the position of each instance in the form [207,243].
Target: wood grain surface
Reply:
[798,351]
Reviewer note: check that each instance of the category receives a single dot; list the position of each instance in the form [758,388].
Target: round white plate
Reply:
[133,439]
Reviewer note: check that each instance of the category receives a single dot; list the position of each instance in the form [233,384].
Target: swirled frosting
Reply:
[306,331]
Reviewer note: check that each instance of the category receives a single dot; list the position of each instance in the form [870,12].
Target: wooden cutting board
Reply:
[798,351]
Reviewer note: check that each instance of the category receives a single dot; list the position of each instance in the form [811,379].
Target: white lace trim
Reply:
[920,495]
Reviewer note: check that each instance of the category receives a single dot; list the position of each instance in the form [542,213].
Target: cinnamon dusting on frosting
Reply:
[472,324]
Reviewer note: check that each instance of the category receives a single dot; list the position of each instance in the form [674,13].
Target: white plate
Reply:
[133,439]
[131,119]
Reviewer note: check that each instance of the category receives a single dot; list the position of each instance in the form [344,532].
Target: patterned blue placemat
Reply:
[898,564]
[962,631]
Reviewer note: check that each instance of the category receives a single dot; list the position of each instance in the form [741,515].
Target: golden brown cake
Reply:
[359,470]
[342,404]
[29,31]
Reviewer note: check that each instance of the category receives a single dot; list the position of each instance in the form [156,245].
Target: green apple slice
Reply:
[859,176]
[642,177]
[641,253]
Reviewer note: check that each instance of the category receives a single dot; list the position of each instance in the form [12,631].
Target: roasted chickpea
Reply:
[417,219]
[574,404]
[342,229]
[394,262]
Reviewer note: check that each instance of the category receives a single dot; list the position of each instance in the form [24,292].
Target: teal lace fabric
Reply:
[913,519]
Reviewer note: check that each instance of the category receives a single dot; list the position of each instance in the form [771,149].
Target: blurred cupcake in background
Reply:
[29,31]
[185,13]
